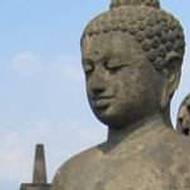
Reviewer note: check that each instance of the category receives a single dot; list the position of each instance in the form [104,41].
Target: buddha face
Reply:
[123,87]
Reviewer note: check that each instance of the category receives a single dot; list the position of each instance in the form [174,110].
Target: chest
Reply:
[130,175]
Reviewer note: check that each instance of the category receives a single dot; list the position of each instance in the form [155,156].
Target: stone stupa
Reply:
[39,174]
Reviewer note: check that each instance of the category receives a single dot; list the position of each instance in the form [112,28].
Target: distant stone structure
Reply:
[183,117]
[39,173]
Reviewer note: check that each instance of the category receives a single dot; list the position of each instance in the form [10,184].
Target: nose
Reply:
[97,83]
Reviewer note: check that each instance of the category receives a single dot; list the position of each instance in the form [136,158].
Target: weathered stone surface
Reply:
[148,159]
[39,173]
[132,56]
[183,117]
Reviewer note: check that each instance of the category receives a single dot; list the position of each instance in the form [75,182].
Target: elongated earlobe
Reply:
[172,73]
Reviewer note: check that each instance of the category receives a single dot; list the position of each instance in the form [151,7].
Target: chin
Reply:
[110,118]
[103,116]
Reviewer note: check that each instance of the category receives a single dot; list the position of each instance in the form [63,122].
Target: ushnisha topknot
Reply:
[119,3]
[159,33]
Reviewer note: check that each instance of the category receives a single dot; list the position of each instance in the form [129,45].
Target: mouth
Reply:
[101,103]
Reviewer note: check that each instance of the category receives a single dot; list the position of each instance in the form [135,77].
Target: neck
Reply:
[116,136]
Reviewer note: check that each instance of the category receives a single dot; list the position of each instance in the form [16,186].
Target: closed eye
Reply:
[114,64]
[88,67]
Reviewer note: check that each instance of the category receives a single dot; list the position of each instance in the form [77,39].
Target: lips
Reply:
[102,102]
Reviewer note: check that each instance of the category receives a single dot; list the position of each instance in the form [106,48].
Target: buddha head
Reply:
[132,56]
[183,117]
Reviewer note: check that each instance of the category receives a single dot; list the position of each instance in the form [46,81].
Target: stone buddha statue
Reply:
[132,56]
[183,117]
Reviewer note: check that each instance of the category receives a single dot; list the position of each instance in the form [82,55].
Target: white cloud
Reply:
[30,64]
[66,66]
[26,63]
[12,157]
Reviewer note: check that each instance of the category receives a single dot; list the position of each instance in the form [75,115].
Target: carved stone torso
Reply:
[145,161]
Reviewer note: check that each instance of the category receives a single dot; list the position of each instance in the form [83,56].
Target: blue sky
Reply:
[42,97]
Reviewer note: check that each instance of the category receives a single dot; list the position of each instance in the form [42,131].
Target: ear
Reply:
[172,73]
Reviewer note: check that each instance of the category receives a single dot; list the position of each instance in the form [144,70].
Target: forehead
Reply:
[112,43]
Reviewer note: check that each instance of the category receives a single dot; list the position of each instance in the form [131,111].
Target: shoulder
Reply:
[170,145]
[74,167]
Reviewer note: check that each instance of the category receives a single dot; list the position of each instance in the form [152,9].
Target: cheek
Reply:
[88,92]
[134,88]
[129,82]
